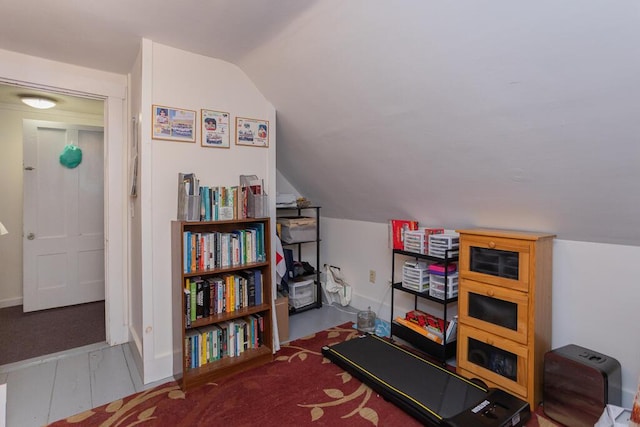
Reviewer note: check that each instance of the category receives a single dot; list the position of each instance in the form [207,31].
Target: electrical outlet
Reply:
[372,276]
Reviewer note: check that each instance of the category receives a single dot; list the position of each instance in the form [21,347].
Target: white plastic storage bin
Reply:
[440,243]
[416,241]
[437,285]
[301,293]
[415,275]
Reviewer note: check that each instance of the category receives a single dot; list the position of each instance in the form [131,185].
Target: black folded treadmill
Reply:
[427,391]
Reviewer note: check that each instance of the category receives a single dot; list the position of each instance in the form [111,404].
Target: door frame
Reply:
[112,89]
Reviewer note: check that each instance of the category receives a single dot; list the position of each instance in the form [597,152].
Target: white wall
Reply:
[179,79]
[595,290]
[283,186]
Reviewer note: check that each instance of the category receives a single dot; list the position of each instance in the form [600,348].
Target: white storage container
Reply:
[416,241]
[301,293]
[437,285]
[415,275]
[439,244]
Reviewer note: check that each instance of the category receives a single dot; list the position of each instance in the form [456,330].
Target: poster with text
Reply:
[252,132]
[215,129]
[174,124]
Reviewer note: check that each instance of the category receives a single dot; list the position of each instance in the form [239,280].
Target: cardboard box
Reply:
[297,229]
[282,316]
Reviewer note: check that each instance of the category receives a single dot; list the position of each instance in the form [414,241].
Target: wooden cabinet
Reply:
[234,306]
[504,308]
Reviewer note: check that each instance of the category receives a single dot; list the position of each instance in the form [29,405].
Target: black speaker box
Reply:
[578,383]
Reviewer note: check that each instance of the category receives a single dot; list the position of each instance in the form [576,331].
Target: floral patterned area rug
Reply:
[300,387]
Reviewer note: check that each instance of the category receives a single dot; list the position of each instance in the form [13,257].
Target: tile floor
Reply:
[43,390]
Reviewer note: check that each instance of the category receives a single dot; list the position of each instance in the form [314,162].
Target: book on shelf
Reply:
[206,299]
[249,277]
[187,307]
[186,252]
[230,328]
[257,242]
[224,351]
[192,293]
[190,348]
[258,279]
[452,329]
[199,298]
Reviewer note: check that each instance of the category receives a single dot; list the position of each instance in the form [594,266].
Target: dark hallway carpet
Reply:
[27,335]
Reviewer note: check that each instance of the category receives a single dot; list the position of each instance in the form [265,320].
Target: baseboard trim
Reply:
[10,302]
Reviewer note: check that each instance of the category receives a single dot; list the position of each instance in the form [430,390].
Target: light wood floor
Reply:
[44,390]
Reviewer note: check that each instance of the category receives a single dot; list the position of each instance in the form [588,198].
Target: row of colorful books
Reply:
[226,339]
[218,203]
[214,295]
[221,203]
[212,250]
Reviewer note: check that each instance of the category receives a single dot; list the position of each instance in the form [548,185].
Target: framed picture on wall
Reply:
[173,124]
[252,132]
[215,129]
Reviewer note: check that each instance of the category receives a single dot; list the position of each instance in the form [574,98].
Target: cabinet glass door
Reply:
[499,261]
[494,262]
[494,359]
[495,309]
[500,361]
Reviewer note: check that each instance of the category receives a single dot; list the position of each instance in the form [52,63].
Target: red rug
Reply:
[300,387]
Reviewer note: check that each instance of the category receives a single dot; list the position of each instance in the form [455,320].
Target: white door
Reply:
[63,236]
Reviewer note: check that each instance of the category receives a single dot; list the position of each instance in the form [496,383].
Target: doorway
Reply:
[80,121]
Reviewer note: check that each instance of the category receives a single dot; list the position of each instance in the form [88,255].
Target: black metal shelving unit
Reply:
[317,303]
[443,351]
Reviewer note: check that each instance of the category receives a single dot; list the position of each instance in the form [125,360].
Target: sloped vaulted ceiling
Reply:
[496,113]
[475,113]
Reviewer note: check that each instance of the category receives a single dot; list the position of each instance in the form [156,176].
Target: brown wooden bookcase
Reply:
[186,376]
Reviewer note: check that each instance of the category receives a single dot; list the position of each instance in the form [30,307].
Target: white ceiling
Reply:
[495,113]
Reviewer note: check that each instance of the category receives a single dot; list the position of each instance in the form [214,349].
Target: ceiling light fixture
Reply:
[38,102]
